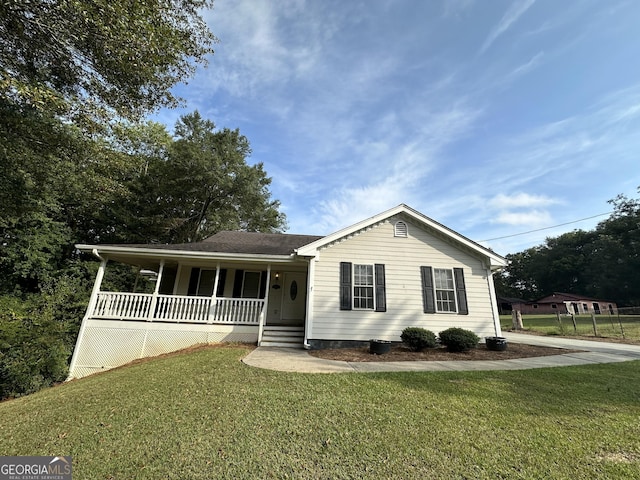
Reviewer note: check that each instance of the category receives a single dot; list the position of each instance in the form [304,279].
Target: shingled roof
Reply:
[241,242]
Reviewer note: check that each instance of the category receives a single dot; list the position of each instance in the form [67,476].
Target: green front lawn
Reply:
[204,415]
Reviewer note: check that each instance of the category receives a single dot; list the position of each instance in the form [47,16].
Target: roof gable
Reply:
[461,241]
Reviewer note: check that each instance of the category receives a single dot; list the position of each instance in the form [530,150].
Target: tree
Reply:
[603,263]
[204,185]
[68,68]
[79,58]
[616,257]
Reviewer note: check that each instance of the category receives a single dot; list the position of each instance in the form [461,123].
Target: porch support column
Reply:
[213,309]
[265,305]
[90,308]
[154,297]
[96,287]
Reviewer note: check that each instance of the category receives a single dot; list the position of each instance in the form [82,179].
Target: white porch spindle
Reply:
[177,308]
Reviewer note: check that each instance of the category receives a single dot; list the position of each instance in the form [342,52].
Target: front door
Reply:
[294,294]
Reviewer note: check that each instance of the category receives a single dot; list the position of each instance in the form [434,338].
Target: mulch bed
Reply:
[400,353]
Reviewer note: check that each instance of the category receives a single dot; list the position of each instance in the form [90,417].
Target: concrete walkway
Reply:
[293,360]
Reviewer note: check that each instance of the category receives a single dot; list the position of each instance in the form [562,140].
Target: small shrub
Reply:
[419,338]
[458,339]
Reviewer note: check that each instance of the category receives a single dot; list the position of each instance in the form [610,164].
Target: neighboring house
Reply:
[370,280]
[506,304]
[565,303]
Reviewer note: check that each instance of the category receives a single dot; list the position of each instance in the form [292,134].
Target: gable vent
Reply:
[400,229]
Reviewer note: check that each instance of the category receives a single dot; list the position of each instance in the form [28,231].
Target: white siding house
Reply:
[404,263]
[370,280]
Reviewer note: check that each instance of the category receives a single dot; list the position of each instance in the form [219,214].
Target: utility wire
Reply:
[546,228]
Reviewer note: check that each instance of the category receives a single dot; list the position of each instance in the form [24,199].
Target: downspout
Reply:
[92,303]
[308,322]
[494,305]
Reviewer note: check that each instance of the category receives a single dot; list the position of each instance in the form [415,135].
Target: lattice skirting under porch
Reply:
[107,344]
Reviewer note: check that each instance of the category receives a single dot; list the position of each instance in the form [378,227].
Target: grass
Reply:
[204,415]
[608,326]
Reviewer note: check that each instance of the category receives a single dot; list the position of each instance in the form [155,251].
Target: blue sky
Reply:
[492,117]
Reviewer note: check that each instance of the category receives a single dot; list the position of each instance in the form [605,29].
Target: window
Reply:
[202,281]
[205,283]
[400,229]
[443,290]
[596,308]
[553,305]
[251,285]
[362,286]
[535,305]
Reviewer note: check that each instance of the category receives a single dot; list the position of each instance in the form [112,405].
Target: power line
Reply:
[546,228]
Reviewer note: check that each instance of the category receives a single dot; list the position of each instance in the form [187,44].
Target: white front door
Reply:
[294,294]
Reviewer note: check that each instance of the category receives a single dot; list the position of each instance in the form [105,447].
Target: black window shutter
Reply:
[237,283]
[263,284]
[381,290]
[345,286]
[428,297]
[193,282]
[463,307]
[221,280]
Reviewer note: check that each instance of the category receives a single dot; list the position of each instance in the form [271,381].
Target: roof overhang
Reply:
[147,257]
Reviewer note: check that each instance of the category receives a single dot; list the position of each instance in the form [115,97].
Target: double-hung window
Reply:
[445,290]
[363,286]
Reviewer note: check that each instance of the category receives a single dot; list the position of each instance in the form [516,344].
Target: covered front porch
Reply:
[229,292]
[181,299]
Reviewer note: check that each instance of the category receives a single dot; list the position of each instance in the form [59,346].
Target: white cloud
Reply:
[531,218]
[533,63]
[520,200]
[456,8]
[514,12]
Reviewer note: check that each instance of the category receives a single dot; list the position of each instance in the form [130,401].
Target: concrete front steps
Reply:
[282,336]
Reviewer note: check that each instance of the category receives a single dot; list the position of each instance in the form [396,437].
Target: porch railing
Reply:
[177,308]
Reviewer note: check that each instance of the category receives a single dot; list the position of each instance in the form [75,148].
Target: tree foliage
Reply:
[196,184]
[603,263]
[79,58]
[139,184]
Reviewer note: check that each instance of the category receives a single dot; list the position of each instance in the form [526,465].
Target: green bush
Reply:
[458,339]
[419,338]
[33,355]
[37,335]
